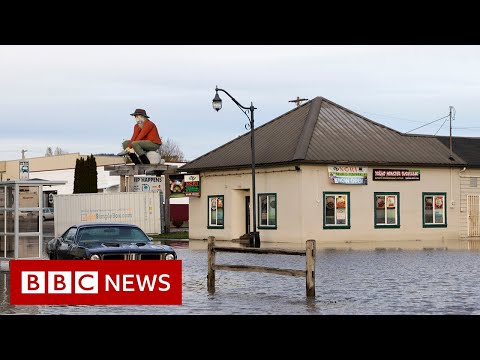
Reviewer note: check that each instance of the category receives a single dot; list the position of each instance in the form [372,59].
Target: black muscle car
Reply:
[107,241]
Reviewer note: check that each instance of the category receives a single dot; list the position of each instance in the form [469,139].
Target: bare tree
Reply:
[60,151]
[57,151]
[170,151]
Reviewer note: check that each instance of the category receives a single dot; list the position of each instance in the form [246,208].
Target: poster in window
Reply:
[341,216]
[340,202]
[439,202]
[390,202]
[428,203]
[330,202]
[380,202]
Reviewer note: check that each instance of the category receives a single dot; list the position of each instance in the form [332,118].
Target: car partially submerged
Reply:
[107,241]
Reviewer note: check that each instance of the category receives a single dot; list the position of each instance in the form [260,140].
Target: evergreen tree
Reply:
[85,176]
[78,176]
[92,182]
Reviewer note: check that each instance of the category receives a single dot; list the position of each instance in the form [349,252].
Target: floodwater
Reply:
[347,282]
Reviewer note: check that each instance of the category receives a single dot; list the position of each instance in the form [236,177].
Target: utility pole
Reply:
[23,153]
[297,101]
[451,149]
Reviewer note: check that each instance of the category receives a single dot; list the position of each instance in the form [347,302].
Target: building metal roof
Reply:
[467,147]
[323,132]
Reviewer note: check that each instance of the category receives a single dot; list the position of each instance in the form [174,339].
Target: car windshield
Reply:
[111,233]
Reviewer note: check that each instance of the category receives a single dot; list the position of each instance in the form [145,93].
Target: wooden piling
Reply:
[211,265]
[311,251]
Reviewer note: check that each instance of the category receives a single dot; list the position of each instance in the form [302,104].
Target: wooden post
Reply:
[211,264]
[310,253]
[167,203]
[131,181]
[122,183]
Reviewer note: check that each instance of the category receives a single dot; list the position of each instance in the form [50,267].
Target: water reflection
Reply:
[347,282]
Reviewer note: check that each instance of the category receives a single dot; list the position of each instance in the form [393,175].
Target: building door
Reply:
[247,214]
[473,210]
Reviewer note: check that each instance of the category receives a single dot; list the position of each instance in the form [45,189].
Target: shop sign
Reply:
[395,174]
[148,183]
[192,185]
[348,175]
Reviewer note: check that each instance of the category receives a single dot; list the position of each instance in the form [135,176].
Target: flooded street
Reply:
[347,282]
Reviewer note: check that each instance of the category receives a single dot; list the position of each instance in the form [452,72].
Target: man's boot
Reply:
[144,159]
[134,158]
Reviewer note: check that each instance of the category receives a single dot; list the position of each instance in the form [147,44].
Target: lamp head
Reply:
[217,102]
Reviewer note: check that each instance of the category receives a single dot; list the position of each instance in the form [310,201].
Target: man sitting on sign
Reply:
[145,138]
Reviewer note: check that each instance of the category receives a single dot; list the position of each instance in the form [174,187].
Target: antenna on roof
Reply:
[297,101]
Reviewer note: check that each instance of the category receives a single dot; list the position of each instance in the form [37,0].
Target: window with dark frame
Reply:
[267,211]
[387,209]
[216,212]
[336,210]
[434,209]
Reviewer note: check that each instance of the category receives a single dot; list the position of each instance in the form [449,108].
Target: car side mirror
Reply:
[150,238]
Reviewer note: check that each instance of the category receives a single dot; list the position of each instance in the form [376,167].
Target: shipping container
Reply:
[140,208]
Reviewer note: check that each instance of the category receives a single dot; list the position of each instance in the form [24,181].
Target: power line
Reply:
[444,121]
[428,123]
[390,116]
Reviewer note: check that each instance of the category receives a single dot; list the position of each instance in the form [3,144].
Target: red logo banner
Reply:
[87,282]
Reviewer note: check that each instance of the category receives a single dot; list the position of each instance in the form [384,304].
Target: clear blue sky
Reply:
[80,97]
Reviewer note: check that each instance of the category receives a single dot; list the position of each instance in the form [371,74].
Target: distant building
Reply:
[62,167]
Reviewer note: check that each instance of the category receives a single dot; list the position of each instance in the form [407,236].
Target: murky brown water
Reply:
[347,282]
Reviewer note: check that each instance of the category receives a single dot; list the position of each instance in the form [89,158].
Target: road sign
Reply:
[24,170]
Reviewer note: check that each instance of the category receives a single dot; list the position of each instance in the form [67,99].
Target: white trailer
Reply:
[144,209]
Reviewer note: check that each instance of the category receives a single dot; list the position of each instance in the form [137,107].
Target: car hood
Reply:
[113,246]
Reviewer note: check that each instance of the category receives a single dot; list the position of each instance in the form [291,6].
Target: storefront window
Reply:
[215,212]
[336,210]
[387,210]
[267,212]
[434,210]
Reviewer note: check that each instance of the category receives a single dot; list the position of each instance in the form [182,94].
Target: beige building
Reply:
[62,167]
[326,173]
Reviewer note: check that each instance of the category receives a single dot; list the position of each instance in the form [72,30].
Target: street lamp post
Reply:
[217,105]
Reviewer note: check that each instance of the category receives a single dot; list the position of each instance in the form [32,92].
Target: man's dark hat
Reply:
[140,112]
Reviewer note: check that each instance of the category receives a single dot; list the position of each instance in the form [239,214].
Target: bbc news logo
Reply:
[83,282]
